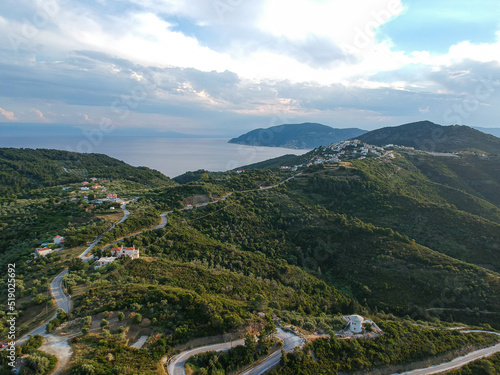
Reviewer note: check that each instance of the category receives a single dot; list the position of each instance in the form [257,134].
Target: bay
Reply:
[171,156]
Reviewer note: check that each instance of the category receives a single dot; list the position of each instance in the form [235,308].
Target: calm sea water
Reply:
[171,156]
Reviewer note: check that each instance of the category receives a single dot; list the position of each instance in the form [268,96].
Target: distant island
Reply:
[297,136]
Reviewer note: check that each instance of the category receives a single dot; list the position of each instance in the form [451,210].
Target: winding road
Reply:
[290,341]
[459,361]
[58,345]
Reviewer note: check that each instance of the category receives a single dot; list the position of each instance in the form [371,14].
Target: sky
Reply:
[224,67]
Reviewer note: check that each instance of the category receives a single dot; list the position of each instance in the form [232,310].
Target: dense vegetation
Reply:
[236,358]
[99,355]
[24,170]
[431,137]
[399,345]
[415,236]
[486,366]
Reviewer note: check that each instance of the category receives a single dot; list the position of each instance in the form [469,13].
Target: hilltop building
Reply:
[356,323]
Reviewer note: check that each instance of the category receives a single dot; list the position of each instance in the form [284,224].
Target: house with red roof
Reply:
[130,252]
[112,196]
[42,251]
[58,240]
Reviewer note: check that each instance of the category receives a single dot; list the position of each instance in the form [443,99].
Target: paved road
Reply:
[176,367]
[126,213]
[62,301]
[459,361]
[290,341]
[163,220]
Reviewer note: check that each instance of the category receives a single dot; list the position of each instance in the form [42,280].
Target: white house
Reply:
[130,252]
[356,323]
[112,197]
[104,261]
[42,251]
[58,240]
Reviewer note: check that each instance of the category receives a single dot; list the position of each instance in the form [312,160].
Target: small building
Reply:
[189,206]
[104,261]
[93,179]
[84,188]
[356,323]
[58,240]
[85,183]
[43,251]
[112,196]
[130,252]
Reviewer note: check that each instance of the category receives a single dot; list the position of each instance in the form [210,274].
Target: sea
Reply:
[171,156]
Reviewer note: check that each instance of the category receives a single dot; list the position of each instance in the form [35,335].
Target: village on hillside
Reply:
[347,150]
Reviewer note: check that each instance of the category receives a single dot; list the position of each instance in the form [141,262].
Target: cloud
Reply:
[8,115]
[39,114]
[209,64]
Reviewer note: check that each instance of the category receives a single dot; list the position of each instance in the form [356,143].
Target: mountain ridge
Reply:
[431,137]
[306,135]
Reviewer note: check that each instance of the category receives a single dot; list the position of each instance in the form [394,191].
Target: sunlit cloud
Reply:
[8,115]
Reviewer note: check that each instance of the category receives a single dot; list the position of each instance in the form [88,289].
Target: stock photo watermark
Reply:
[462,111]
[222,7]
[11,314]
[122,108]
[31,28]
[363,36]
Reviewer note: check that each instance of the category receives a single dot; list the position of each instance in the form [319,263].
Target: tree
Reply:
[84,369]
[137,318]
[40,298]
[87,321]
[104,323]
[76,264]
[121,316]
[250,342]
[267,332]
[37,363]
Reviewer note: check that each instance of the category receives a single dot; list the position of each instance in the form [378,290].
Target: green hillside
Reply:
[22,170]
[431,137]
[410,240]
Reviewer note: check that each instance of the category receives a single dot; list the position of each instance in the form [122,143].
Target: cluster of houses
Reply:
[118,252]
[95,186]
[49,247]
[348,150]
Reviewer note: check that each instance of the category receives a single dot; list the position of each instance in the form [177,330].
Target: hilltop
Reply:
[431,137]
[298,136]
[24,169]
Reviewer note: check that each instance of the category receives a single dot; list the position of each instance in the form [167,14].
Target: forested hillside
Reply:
[427,136]
[23,170]
[411,241]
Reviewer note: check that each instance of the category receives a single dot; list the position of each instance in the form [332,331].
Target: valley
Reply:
[402,238]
